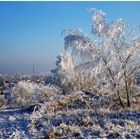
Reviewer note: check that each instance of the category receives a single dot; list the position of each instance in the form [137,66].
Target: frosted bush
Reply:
[23,92]
[27,93]
[71,76]
[74,81]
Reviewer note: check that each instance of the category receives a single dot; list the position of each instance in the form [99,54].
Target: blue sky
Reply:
[30,31]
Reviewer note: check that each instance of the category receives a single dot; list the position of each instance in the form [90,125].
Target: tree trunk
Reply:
[127,91]
[128,100]
[121,102]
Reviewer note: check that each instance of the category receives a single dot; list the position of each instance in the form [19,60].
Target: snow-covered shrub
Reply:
[74,81]
[71,74]
[27,93]
[23,92]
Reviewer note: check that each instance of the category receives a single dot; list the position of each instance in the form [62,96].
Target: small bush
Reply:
[27,93]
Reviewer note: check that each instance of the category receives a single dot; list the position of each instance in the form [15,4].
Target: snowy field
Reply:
[77,124]
[82,114]
[94,92]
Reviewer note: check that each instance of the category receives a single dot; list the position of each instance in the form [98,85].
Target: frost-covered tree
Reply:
[119,53]
[112,56]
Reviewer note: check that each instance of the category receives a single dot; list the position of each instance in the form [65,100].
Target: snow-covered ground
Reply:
[81,114]
[12,120]
[84,124]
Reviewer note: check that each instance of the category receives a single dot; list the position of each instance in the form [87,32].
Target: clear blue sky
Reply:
[30,31]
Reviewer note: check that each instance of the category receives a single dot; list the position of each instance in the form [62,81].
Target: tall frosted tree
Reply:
[113,54]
